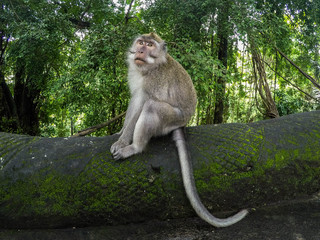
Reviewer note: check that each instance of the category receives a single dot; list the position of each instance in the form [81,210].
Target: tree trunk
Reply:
[25,98]
[7,106]
[64,182]
[18,113]
[261,83]
[223,35]
[8,111]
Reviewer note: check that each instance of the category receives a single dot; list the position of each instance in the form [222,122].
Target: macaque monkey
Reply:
[163,99]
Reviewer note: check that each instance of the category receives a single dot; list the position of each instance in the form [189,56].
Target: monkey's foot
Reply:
[125,152]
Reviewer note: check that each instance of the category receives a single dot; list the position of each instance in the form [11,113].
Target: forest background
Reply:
[63,62]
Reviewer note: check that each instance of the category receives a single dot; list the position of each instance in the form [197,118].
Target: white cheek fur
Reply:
[150,60]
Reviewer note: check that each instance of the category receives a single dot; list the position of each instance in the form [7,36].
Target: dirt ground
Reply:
[290,220]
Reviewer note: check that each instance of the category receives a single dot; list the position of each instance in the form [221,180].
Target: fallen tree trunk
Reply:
[62,182]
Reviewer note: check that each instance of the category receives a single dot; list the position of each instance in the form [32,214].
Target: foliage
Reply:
[290,101]
[63,68]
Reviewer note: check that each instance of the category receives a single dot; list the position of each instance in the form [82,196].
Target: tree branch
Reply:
[295,86]
[300,70]
[86,10]
[97,127]
[128,12]
[79,23]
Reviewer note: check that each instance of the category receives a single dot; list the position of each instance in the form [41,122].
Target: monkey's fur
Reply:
[163,99]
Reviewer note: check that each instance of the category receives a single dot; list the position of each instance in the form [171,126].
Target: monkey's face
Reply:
[146,51]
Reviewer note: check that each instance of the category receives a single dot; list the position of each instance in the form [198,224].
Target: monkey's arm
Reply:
[132,115]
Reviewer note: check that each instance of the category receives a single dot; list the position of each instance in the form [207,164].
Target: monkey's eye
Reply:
[141,42]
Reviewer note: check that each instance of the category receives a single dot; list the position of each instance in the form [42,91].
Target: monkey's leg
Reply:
[157,118]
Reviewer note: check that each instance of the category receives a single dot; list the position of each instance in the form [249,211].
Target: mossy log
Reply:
[61,182]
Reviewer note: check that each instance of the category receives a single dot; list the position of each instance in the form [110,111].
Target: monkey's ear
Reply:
[164,46]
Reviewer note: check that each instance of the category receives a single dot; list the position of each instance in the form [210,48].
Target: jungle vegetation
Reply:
[63,62]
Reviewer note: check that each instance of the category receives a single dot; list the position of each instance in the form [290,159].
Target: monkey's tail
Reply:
[190,187]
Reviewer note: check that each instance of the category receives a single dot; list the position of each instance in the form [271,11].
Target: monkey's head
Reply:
[147,50]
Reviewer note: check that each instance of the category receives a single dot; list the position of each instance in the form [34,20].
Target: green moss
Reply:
[257,165]
[228,162]
[41,195]
[104,188]
[111,185]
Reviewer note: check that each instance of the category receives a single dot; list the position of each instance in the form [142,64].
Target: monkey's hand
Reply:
[117,146]
[125,152]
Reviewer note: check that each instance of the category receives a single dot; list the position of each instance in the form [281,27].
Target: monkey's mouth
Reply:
[139,61]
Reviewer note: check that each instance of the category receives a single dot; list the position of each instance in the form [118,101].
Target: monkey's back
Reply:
[172,84]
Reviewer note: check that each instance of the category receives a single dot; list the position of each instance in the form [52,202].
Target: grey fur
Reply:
[163,99]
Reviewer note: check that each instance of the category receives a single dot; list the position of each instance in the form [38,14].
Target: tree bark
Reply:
[74,182]
[18,112]
[26,102]
[8,110]
[223,35]
[261,83]
[7,105]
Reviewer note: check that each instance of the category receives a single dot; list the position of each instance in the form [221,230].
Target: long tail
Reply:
[190,188]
